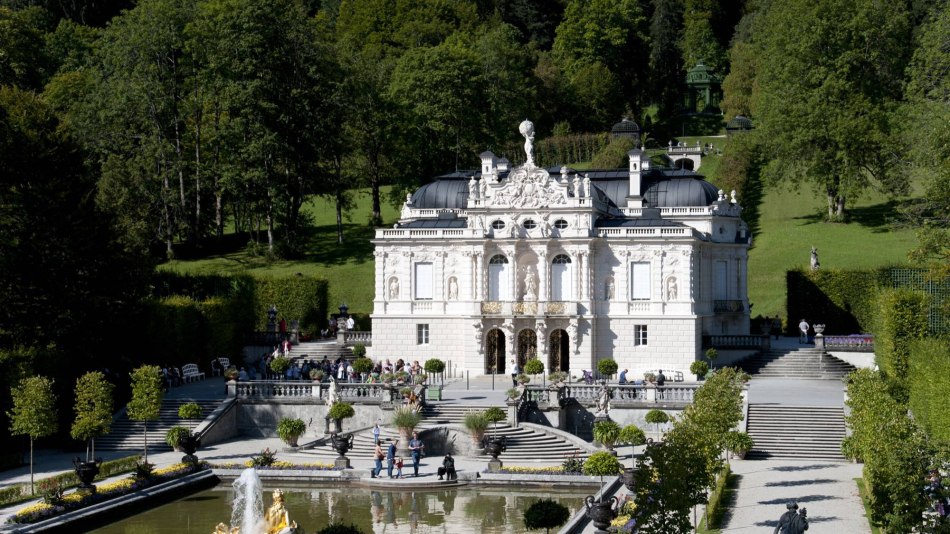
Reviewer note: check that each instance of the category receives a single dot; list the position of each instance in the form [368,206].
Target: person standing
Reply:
[378,457]
[787,519]
[514,373]
[415,449]
[376,431]
[391,457]
[803,331]
[623,377]
[660,378]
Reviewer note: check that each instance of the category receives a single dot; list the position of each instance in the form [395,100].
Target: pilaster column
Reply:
[575,283]
[544,291]
[513,279]
[478,279]
[584,264]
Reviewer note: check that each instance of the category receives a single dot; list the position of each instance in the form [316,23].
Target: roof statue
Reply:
[527,130]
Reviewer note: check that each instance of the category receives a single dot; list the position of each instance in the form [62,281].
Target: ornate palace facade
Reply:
[632,264]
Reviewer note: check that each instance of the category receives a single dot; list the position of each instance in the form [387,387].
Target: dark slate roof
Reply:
[626,127]
[436,223]
[686,191]
[446,193]
[739,123]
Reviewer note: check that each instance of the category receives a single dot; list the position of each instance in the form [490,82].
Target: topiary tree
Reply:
[607,367]
[147,397]
[546,514]
[190,411]
[657,417]
[606,433]
[279,365]
[534,367]
[93,410]
[602,463]
[495,415]
[434,366]
[631,435]
[33,413]
[362,366]
[359,350]
[341,410]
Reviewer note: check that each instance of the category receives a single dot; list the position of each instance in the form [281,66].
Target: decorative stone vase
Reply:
[628,478]
[496,445]
[601,512]
[86,472]
[341,444]
[189,445]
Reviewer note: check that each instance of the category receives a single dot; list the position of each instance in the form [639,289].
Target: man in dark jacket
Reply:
[448,468]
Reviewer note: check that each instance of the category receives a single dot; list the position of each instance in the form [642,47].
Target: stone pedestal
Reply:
[494,465]
[341,462]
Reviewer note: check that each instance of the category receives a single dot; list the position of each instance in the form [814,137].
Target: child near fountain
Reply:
[399,467]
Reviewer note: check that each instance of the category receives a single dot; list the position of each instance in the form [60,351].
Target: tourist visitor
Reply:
[376,431]
[391,457]
[399,464]
[623,377]
[448,468]
[242,375]
[415,449]
[803,331]
[378,455]
[514,373]
[350,323]
[660,378]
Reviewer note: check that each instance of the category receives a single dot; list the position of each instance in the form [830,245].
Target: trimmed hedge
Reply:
[213,314]
[842,300]
[714,508]
[21,492]
[929,378]
[901,319]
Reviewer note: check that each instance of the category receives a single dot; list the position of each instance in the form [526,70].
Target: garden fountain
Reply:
[247,509]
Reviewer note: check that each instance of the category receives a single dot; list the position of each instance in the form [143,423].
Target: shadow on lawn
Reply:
[880,218]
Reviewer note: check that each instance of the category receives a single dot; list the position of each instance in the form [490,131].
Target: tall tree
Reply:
[666,58]
[699,42]
[826,116]
[33,413]
[928,107]
[23,58]
[147,395]
[93,410]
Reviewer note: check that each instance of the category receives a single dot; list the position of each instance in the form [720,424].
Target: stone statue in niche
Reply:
[609,288]
[472,189]
[393,288]
[530,285]
[671,289]
[453,289]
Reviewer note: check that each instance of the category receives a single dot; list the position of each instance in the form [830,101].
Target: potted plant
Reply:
[607,367]
[523,379]
[405,391]
[359,351]
[419,380]
[232,373]
[739,443]
[406,420]
[387,378]
[657,417]
[190,411]
[630,435]
[602,512]
[476,423]
[317,375]
[558,379]
[338,412]
[362,366]
[546,514]
[514,393]
[649,377]
[289,430]
[279,366]
[699,368]
[435,366]
[175,435]
[402,377]
[606,433]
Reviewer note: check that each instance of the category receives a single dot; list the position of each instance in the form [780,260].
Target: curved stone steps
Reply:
[128,435]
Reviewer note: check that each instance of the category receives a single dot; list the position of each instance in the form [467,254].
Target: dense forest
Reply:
[127,128]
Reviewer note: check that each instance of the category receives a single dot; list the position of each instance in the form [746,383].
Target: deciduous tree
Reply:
[147,397]
[34,412]
[93,410]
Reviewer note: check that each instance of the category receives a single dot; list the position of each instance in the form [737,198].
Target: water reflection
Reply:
[493,510]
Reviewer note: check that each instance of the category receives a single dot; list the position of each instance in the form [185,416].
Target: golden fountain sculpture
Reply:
[276,520]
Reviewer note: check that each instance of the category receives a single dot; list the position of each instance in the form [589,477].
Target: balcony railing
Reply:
[853,343]
[556,308]
[315,392]
[760,342]
[728,306]
[620,396]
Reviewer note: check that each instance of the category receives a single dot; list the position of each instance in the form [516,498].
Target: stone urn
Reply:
[342,443]
[189,445]
[86,472]
[601,512]
[628,478]
[495,445]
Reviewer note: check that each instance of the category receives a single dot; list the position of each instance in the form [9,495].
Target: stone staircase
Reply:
[316,350]
[128,435]
[798,432]
[803,363]
[523,443]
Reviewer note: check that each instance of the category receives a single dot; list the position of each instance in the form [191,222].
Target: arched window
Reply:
[498,286]
[561,278]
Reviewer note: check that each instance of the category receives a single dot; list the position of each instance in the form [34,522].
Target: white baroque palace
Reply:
[632,264]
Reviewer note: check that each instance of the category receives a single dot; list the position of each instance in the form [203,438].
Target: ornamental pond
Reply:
[466,509]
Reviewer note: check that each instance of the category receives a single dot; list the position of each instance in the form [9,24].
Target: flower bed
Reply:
[276,466]
[526,470]
[104,492]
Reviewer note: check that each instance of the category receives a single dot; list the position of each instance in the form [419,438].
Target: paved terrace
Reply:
[826,489]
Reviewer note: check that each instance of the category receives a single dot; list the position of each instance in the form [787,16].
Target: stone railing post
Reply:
[651,393]
[512,413]
[232,388]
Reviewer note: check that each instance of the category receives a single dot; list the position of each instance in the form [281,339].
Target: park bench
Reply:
[191,372]
[225,363]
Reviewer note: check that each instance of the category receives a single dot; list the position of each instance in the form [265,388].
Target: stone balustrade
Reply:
[759,342]
[853,343]
[625,395]
[315,392]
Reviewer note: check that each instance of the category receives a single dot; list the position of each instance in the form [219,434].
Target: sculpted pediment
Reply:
[529,187]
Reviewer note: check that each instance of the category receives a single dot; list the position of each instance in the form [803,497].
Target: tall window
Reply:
[498,288]
[561,278]
[640,335]
[640,281]
[720,280]
[422,334]
[423,287]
